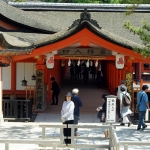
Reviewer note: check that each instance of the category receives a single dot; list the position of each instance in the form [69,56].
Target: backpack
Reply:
[126,100]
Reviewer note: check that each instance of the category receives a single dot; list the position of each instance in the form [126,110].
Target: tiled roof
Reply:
[30,41]
[28,19]
[59,22]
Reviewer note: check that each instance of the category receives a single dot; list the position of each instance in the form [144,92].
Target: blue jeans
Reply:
[141,119]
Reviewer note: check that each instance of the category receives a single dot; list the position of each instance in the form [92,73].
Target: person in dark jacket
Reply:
[102,109]
[78,103]
[56,90]
[85,75]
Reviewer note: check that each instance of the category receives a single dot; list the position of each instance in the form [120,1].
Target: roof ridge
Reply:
[77,6]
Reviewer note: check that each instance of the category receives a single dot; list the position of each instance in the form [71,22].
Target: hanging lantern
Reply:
[33,77]
[96,63]
[69,63]
[24,82]
[91,63]
[99,67]
[50,60]
[87,64]
[62,63]
[78,63]
[120,61]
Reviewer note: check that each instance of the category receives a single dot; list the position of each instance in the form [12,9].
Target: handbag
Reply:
[138,105]
[63,119]
[101,115]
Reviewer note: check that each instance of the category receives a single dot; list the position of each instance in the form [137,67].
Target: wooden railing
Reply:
[17,109]
[73,138]
[56,142]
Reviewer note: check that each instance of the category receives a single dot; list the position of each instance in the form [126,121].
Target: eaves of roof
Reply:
[78,7]
[46,39]
[28,19]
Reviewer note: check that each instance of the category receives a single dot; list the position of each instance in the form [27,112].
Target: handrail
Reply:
[73,144]
[51,143]
[57,141]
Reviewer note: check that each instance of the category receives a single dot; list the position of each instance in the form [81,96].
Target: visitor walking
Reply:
[55,91]
[117,93]
[143,103]
[78,103]
[124,109]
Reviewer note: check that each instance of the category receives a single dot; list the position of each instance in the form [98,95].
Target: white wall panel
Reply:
[6,78]
[20,74]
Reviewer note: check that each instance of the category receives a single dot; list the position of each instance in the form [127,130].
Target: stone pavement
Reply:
[16,130]
[91,98]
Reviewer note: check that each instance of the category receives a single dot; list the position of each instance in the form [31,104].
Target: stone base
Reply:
[1,118]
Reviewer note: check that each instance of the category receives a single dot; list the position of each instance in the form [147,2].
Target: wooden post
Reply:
[1,112]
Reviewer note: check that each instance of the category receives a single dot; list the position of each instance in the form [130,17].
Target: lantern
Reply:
[62,63]
[78,63]
[24,81]
[69,62]
[91,63]
[87,64]
[50,61]
[120,61]
[96,63]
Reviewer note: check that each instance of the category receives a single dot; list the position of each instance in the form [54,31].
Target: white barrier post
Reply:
[126,147]
[6,146]
[43,133]
[54,146]
[61,135]
[72,135]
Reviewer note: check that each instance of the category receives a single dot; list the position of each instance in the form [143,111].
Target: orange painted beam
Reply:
[80,38]
[7,26]
[76,58]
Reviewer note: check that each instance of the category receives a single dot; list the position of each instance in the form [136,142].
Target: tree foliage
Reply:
[144,33]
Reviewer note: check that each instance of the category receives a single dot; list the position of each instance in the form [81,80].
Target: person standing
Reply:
[117,92]
[125,110]
[78,103]
[85,75]
[55,91]
[67,116]
[143,103]
[102,109]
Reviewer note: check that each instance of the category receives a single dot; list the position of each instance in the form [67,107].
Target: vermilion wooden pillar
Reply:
[13,77]
[1,113]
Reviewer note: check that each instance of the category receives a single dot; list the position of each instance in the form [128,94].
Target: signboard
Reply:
[40,104]
[85,52]
[111,110]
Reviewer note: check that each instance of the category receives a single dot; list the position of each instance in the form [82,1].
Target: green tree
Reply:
[142,32]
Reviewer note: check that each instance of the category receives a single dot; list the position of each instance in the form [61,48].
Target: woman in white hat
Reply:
[67,115]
